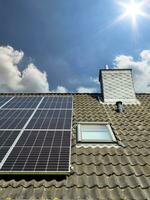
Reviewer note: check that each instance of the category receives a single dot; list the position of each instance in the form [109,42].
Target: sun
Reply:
[133,9]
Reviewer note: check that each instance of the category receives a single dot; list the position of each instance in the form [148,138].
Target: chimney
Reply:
[117,85]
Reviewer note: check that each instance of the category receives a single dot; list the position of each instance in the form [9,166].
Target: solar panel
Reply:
[43,143]
[3,100]
[40,150]
[55,102]
[23,102]
[14,119]
[51,119]
[6,140]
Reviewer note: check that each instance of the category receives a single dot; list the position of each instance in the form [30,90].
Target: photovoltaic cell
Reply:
[51,119]
[40,151]
[53,114]
[4,100]
[56,102]
[44,138]
[23,102]
[14,119]
[6,140]
[37,159]
[3,151]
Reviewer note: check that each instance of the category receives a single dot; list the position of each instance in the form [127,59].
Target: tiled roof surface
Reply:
[121,172]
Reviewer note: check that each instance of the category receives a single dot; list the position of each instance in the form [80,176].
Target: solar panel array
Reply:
[35,134]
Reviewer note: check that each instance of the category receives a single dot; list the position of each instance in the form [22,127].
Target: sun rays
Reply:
[133,9]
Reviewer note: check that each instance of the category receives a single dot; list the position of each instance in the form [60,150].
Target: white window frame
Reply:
[79,136]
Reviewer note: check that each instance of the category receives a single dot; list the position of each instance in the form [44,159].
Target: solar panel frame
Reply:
[69,147]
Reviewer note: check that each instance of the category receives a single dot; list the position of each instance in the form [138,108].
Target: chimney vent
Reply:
[119,106]
[106,67]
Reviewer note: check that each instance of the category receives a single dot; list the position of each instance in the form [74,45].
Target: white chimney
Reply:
[117,85]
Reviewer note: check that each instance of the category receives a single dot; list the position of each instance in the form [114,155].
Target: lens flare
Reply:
[133,9]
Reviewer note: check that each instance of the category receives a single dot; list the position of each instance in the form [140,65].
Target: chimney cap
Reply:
[106,67]
[115,69]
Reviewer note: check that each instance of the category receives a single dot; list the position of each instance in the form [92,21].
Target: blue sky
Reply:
[71,40]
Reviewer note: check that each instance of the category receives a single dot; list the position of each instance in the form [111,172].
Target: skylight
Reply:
[95,132]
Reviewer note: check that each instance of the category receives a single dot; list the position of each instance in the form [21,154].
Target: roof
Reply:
[121,172]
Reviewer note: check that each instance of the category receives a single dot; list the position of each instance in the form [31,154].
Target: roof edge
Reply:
[24,94]
[68,93]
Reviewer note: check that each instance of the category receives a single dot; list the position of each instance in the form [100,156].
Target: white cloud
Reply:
[9,73]
[86,90]
[60,89]
[141,69]
[31,79]
[94,80]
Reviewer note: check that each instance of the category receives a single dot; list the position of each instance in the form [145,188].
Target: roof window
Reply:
[95,132]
